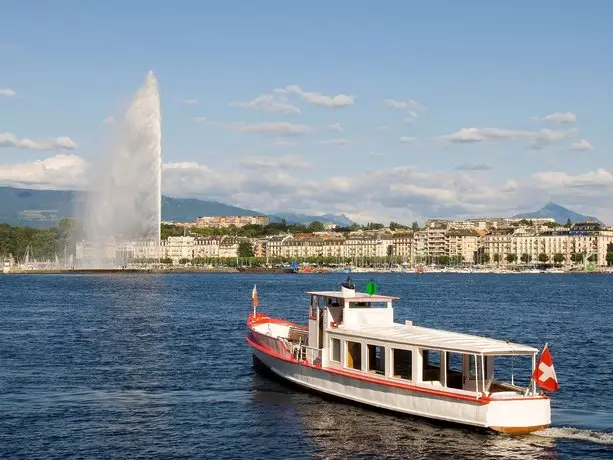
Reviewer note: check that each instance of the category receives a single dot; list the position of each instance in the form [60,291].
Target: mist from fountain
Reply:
[123,209]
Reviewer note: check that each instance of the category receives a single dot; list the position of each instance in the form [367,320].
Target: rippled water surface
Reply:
[156,366]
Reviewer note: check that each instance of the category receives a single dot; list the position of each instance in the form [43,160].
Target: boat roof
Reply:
[438,339]
[357,297]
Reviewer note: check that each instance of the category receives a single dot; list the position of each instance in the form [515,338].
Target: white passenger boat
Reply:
[353,349]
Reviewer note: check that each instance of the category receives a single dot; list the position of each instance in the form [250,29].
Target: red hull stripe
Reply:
[365,378]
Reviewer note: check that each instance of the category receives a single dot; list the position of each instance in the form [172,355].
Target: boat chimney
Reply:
[348,288]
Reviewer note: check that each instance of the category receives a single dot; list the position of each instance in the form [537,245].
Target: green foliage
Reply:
[609,258]
[511,258]
[593,258]
[315,226]
[543,257]
[558,258]
[245,249]
[525,257]
[569,224]
[497,258]
[577,257]
[374,226]
[415,226]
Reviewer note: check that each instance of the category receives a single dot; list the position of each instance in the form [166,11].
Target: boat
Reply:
[352,349]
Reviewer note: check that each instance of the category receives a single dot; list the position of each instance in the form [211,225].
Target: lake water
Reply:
[156,366]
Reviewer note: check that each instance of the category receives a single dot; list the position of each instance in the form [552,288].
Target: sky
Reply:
[392,111]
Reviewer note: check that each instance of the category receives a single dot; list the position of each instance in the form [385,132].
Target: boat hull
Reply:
[505,416]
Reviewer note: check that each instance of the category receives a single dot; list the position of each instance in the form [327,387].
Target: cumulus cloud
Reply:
[581,145]
[338,101]
[337,141]
[7,92]
[280,184]
[58,172]
[335,127]
[538,139]
[276,163]
[59,143]
[189,101]
[411,107]
[560,117]
[275,128]
[406,139]
[473,167]
[268,103]
[110,120]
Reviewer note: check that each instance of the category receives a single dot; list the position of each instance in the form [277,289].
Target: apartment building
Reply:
[227,221]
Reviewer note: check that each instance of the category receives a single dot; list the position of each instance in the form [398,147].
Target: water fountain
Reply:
[123,211]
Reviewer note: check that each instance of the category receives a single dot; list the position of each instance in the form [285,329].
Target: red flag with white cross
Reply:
[544,374]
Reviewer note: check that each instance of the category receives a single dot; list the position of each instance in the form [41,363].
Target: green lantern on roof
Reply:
[590,268]
[371,288]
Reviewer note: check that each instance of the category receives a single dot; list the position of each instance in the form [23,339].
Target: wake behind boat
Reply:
[353,349]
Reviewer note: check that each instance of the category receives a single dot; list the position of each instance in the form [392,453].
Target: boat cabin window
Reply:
[403,364]
[335,350]
[454,370]
[376,359]
[354,355]
[431,365]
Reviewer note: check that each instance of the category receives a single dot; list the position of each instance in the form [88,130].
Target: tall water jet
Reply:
[123,211]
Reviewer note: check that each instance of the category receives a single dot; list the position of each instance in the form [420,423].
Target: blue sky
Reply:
[421,110]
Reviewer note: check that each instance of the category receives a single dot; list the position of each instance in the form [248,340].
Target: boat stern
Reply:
[519,415]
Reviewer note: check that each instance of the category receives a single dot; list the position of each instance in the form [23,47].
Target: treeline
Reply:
[41,243]
[274,228]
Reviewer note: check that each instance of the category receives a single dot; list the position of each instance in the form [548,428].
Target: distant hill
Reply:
[294,218]
[559,213]
[43,208]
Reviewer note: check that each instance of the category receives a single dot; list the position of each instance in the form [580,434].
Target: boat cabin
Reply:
[355,332]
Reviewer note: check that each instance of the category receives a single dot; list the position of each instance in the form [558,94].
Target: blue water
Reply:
[156,366]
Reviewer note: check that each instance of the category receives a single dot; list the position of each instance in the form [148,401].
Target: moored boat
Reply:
[351,348]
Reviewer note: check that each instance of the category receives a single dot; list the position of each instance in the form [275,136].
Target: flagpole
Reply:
[532,382]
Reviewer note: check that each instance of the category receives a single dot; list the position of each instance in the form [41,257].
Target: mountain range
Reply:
[43,208]
[559,213]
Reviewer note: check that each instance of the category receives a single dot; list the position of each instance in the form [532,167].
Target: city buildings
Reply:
[500,242]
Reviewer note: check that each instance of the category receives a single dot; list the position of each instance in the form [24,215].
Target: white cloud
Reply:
[276,128]
[340,100]
[268,103]
[406,139]
[335,127]
[581,145]
[276,163]
[559,117]
[338,141]
[199,119]
[545,137]
[189,101]
[485,134]
[375,154]
[60,171]
[412,108]
[473,167]
[538,139]
[59,143]
[110,120]
[387,193]
[7,92]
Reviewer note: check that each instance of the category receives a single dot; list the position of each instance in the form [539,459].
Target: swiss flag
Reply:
[545,374]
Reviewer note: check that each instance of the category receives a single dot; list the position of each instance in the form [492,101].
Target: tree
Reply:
[374,226]
[609,258]
[315,226]
[397,226]
[497,258]
[593,258]
[511,258]
[525,257]
[390,250]
[443,260]
[569,224]
[558,258]
[481,257]
[245,249]
[543,257]
[577,257]
[415,226]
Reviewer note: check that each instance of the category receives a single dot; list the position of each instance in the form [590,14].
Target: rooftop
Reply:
[357,297]
[439,339]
